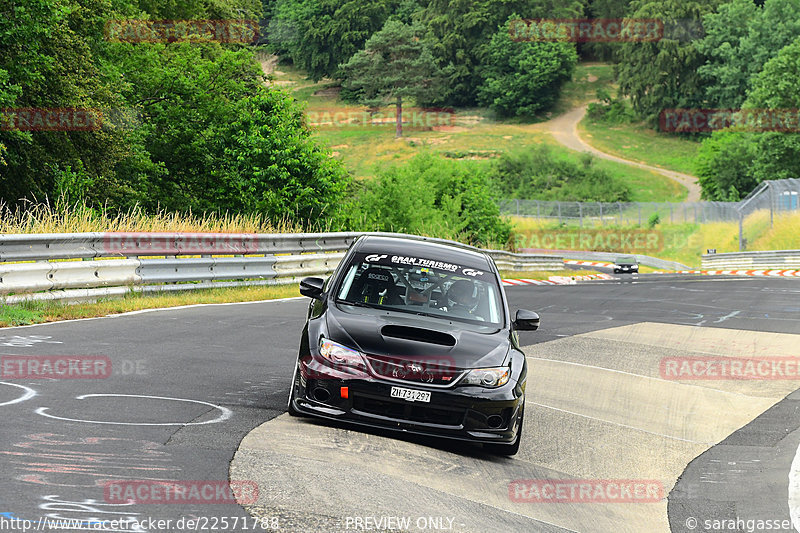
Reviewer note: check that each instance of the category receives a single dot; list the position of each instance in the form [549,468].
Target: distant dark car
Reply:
[626,265]
[414,336]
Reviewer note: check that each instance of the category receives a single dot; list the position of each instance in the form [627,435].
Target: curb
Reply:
[588,263]
[773,273]
[555,280]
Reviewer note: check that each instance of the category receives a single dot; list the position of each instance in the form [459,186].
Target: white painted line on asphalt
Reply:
[528,402]
[225,412]
[29,393]
[675,381]
[140,311]
[794,491]
[726,317]
[189,306]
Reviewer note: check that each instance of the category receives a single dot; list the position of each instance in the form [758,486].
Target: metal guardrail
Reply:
[771,260]
[87,266]
[612,256]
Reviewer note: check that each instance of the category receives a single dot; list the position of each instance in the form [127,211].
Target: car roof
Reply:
[438,249]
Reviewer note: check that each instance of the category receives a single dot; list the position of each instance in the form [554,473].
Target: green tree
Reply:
[268,163]
[604,9]
[731,163]
[521,78]
[395,65]
[431,196]
[776,88]
[326,33]
[724,165]
[47,62]
[462,29]
[663,74]
[740,38]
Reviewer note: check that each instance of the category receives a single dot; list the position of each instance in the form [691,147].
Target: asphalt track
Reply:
[199,394]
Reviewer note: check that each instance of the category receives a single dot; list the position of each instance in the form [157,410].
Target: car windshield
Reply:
[422,286]
[626,260]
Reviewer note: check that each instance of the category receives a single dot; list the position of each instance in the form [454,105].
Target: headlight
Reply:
[340,355]
[488,377]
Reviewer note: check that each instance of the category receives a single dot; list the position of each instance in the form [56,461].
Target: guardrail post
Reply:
[602,222]
[741,232]
[771,204]
[559,212]
[580,214]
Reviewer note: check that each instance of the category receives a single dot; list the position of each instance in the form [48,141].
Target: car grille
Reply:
[437,373]
[408,411]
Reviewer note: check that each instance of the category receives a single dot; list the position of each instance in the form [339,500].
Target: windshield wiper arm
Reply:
[356,304]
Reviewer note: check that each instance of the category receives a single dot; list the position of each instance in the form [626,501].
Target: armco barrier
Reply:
[88,274]
[774,260]
[44,246]
[612,256]
[25,277]
[511,261]
[87,266]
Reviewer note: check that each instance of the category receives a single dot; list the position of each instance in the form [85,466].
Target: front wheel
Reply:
[508,449]
[290,407]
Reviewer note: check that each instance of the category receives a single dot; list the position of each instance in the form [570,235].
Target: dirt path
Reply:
[565,130]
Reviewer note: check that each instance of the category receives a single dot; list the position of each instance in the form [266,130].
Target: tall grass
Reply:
[63,216]
[783,235]
[686,242]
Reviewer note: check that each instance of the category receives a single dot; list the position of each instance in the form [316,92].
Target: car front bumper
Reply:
[464,413]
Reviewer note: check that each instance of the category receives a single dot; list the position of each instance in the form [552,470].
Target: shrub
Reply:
[537,174]
[432,196]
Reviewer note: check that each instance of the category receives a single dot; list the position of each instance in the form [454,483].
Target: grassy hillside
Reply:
[684,243]
[639,143]
[471,135]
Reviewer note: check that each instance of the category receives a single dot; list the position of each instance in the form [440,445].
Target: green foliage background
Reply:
[192,127]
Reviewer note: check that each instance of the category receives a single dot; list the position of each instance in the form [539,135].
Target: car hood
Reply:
[417,338]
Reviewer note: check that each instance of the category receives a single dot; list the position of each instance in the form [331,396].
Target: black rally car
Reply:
[414,336]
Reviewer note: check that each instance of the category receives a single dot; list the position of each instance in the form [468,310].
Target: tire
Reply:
[290,406]
[508,449]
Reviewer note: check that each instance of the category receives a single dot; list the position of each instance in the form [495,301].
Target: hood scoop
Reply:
[418,334]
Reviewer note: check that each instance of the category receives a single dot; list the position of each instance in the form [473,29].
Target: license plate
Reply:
[411,395]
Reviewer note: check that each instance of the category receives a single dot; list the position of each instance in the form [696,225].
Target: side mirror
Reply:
[312,287]
[526,320]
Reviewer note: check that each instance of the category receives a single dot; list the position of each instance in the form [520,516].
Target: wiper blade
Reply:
[356,304]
